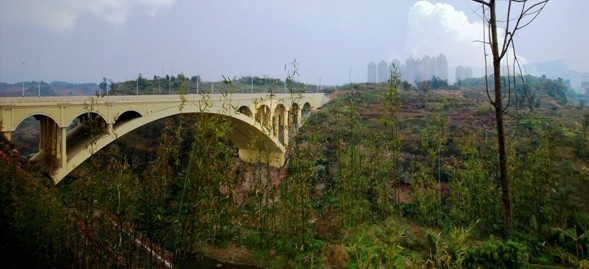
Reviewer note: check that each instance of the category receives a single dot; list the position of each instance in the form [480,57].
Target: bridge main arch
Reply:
[244,129]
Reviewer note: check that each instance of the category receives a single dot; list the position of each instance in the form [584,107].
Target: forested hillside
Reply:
[383,176]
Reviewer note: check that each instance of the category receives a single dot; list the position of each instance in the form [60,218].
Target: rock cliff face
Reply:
[140,147]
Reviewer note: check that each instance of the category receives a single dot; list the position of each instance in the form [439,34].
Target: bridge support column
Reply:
[285,128]
[294,120]
[278,124]
[271,121]
[44,138]
[63,141]
[52,142]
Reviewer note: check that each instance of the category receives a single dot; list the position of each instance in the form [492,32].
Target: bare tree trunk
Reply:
[498,105]
[529,10]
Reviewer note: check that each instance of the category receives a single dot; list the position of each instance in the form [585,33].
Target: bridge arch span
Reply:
[244,129]
[245,110]
[127,116]
[306,110]
[37,116]
[263,113]
[91,117]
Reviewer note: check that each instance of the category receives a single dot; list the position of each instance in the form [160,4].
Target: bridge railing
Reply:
[134,98]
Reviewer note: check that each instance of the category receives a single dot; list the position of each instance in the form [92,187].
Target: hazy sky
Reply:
[85,40]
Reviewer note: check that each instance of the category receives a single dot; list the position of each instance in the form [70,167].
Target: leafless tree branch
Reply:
[534,10]
[485,53]
[482,2]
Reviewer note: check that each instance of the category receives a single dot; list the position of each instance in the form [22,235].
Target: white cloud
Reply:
[154,5]
[435,29]
[61,15]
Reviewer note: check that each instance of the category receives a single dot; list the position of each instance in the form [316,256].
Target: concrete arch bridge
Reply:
[95,122]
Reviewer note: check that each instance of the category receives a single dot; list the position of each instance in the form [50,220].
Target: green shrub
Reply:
[494,253]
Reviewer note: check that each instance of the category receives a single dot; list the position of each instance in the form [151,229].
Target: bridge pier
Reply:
[63,151]
[52,142]
[294,119]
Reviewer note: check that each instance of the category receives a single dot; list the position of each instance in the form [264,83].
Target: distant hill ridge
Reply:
[55,88]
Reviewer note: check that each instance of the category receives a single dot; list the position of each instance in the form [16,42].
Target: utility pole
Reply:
[350,80]
[252,78]
[320,86]
[108,74]
[23,82]
[137,87]
[39,71]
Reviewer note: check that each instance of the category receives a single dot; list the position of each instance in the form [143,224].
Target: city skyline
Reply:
[412,70]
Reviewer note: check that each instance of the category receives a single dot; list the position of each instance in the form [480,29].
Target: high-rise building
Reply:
[411,69]
[442,67]
[416,70]
[371,72]
[383,71]
[463,73]
[428,68]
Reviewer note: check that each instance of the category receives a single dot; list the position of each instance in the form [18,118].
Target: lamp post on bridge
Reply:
[39,73]
[139,74]
[197,83]
[108,73]
[23,82]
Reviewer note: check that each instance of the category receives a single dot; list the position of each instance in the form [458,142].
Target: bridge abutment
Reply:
[274,159]
[7,135]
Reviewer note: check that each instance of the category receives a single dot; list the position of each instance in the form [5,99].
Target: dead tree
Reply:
[519,14]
